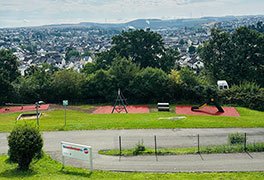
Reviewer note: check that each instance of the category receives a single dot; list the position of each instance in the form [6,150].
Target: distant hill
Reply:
[153,23]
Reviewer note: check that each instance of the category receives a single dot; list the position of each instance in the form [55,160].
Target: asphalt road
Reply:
[108,139]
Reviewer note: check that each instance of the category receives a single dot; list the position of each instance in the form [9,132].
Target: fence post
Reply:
[155,141]
[120,147]
[245,142]
[198,143]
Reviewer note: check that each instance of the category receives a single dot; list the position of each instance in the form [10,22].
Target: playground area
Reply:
[207,111]
[130,109]
[121,106]
[24,108]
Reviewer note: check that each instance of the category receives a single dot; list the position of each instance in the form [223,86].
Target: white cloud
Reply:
[36,12]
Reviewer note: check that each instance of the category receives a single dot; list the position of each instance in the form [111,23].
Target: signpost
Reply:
[65,104]
[37,106]
[77,151]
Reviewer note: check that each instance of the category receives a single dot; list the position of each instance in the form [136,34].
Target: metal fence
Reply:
[196,141]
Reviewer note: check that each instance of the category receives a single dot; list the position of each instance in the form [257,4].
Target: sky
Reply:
[17,13]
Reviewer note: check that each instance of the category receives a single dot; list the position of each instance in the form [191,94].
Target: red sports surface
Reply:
[12,109]
[130,109]
[207,111]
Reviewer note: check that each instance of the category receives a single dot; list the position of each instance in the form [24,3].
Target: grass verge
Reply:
[255,147]
[46,168]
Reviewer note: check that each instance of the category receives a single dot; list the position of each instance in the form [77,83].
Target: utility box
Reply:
[222,85]
[163,106]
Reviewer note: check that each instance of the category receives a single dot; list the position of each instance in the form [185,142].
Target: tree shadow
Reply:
[16,173]
[83,174]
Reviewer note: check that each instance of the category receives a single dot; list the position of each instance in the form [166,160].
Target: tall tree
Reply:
[235,57]
[248,55]
[150,85]
[217,55]
[123,71]
[67,84]
[8,74]
[99,86]
[8,65]
[71,52]
[5,88]
[36,84]
[145,48]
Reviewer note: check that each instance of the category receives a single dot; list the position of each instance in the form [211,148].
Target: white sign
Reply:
[77,151]
[65,102]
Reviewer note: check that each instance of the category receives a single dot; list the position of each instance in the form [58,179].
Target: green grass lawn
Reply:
[239,148]
[46,168]
[54,120]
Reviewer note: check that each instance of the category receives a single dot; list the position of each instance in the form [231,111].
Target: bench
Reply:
[163,106]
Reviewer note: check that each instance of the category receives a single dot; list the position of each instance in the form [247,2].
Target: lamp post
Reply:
[37,106]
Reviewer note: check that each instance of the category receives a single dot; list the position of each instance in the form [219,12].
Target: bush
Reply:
[247,94]
[25,143]
[151,85]
[236,138]
[139,148]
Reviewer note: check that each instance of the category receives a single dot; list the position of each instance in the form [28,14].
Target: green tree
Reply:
[89,68]
[99,86]
[25,143]
[71,52]
[248,56]
[104,59]
[185,85]
[217,55]
[8,74]
[151,85]
[182,42]
[86,53]
[36,84]
[8,65]
[235,57]
[145,48]
[5,89]
[45,67]
[192,50]
[67,84]
[169,59]
[188,77]
[123,71]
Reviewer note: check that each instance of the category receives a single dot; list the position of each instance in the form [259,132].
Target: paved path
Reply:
[107,139]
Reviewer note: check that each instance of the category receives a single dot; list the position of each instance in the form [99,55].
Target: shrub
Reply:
[236,138]
[25,143]
[247,94]
[151,85]
[139,148]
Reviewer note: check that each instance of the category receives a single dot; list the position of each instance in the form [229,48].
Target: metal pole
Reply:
[156,154]
[64,115]
[63,161]
[91,160]
[37,106]
[198,143]
[120,148]
[245,142]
